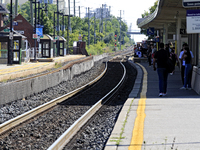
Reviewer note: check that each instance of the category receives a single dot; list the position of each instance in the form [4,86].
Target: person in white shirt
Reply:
[183,62]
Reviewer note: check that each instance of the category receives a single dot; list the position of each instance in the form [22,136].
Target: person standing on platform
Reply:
[161,56]
[183,61]
[174,59]
[188,68]
[149,54]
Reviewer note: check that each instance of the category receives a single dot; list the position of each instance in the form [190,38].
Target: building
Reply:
[98,12]
[23,27]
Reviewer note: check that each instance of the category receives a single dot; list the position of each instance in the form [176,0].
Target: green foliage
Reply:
[100,42]
[151,10]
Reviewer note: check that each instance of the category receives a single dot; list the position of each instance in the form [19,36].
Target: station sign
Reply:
[35,36]
[193,21]
[15,23]
[46,1]
[191,3]
[150,31]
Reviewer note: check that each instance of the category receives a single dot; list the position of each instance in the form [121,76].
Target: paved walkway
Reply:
[158,123]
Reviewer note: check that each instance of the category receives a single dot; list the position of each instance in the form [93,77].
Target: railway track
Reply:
[67,113]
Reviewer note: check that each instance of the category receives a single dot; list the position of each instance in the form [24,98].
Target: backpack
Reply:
[170,66]
[173,56]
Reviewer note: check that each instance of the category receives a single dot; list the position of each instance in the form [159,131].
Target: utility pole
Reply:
[57,28]
[102,19]
[31,8]
[68,28]
[63,26]
[35,31]
[16,7]
[46,9]
[120,31]
[109,10]
[54,33]
[74,8]
[79,7]
[106,21]
[10,51]
[88,26]
[94,28]
[69,17]
[38,12]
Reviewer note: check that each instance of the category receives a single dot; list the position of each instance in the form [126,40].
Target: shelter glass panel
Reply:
[3,49]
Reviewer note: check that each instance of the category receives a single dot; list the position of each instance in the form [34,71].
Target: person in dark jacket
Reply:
[161,57]
[188,68]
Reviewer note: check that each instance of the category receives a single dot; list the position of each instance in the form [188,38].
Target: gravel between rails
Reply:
[18,107]
[95,133]
[46,128]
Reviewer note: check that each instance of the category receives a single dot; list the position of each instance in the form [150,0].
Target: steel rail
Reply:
[26,116]
[70,132]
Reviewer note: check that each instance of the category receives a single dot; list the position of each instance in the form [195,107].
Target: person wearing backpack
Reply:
[174,58]
[161,57]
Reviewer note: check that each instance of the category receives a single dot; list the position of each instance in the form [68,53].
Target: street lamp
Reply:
[10,49]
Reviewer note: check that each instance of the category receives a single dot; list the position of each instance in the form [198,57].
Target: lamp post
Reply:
[35,31]
[10,50]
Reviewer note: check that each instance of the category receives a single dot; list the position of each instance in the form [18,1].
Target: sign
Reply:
[157,39]
[182,31]
[39,26]
[193,21]
[38,39]
[35,36]
[6,30]
[150,31]
[11,35]
[80,37]
[20,31]
[15,23]
[39,31]
[57,38]
[191,3]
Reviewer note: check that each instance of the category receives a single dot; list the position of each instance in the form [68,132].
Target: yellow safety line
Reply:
[137,134]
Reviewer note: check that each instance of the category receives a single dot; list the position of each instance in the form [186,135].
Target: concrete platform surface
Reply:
[149,122]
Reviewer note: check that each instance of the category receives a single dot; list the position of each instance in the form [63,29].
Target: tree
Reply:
[111,27]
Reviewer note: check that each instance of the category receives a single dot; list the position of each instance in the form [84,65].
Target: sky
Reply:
[131,11]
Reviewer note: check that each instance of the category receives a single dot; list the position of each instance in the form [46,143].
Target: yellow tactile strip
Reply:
[137,134]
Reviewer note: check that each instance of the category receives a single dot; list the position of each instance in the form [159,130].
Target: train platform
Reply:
[25,69]
[150,122]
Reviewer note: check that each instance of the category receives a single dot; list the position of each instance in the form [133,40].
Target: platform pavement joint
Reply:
[119,136]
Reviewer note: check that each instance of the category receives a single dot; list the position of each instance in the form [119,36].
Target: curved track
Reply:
[41,131]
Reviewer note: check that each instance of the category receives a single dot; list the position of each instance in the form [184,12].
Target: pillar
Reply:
[178,35]
[165,33]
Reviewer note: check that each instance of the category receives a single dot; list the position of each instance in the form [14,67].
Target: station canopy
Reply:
[167,12]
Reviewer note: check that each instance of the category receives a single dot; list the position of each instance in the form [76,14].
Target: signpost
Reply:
[193,21]
[150,31]
[191,3]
